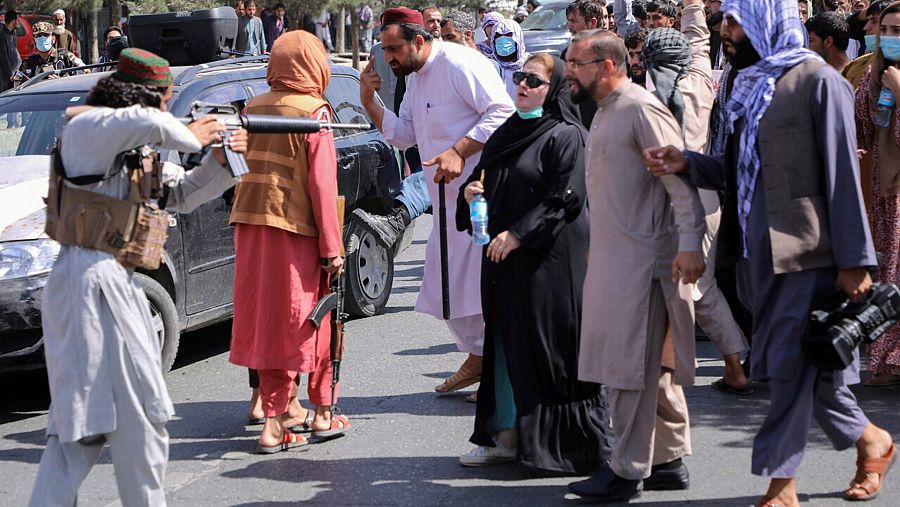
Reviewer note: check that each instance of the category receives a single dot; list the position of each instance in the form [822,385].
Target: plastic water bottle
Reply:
[884,108]
[478,214]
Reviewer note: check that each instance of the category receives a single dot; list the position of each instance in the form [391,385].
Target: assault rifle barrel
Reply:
[267,124]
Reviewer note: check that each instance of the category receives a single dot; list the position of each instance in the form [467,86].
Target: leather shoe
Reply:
[605,486]
[668,477]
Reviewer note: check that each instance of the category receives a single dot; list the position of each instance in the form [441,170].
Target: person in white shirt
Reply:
[453,103]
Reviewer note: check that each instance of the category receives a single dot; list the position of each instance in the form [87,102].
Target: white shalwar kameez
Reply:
[455,94]
[103,354]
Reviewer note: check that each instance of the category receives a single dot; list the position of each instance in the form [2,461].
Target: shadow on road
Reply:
[402,480]
[741,416]
[25,394]
[434,350]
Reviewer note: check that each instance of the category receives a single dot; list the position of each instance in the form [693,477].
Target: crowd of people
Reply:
[768,217]
[714,164]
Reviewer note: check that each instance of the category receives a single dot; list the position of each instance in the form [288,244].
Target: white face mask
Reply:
[479,35]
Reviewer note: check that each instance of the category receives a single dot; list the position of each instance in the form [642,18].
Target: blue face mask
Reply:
[531,115]
[504,46]
[43,43]
[890,47]
[870,43]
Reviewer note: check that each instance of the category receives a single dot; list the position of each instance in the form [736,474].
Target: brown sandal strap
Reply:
[867,485]
[875,465]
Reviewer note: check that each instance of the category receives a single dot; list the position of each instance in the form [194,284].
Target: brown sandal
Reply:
[464,377]
[865,466]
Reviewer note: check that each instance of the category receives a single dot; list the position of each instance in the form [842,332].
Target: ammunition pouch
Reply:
[134,231]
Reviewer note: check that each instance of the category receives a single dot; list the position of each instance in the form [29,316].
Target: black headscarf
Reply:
[516,133]
[513,137]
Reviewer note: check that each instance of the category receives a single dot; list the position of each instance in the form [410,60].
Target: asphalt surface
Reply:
[404,442]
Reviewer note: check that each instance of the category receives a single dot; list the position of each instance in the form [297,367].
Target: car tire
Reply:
[164,316]
[369,272]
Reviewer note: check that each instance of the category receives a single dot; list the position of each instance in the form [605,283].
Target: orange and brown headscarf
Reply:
[298,63]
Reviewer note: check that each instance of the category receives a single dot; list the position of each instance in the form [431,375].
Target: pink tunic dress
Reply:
[278,279]
[884,354]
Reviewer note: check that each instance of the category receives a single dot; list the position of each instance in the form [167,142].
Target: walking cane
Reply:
[445,278]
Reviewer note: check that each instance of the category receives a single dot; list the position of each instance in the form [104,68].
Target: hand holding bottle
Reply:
[473,189]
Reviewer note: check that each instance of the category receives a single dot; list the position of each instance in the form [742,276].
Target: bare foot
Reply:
[273,431]
[781,493]
[469,373]
[874,443]
[296,414]
[256,410]
[322,419]
[734,372]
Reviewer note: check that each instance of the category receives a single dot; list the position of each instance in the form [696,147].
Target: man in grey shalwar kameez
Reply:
[796,222]
[103,354]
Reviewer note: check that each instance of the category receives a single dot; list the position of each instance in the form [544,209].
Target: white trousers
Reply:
[468,333]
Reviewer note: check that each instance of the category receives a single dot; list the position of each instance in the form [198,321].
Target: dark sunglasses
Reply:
[531,80]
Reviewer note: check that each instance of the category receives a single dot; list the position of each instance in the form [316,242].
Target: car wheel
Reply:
[370,272]
[164,317]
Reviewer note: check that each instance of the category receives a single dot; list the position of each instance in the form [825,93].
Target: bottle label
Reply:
[479,208]
[886,98]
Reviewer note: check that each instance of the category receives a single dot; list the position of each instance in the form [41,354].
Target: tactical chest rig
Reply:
[134,230]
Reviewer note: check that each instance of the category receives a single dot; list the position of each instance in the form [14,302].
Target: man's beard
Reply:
[582,94]
[403,69]
[638,77]
[744,55]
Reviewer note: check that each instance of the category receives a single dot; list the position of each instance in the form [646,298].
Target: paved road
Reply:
[404,443]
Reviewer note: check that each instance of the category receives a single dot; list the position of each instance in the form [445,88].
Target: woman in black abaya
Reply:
[531,405]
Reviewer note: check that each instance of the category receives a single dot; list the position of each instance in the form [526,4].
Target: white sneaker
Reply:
[483,455]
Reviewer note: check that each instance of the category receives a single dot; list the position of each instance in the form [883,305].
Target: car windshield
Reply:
[29,123]
[546,17]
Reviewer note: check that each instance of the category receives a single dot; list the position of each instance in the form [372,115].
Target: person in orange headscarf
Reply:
[286,234]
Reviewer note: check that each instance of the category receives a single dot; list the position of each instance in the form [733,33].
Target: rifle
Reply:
[333,303]
[260,124]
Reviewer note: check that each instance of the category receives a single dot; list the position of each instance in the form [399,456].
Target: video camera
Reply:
[839,327]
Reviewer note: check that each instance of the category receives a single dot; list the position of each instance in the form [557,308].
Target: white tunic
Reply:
[456,94]
[90,300]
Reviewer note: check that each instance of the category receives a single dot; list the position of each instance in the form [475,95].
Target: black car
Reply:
[194,286]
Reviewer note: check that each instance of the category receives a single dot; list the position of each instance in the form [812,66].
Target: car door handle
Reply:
[348,160]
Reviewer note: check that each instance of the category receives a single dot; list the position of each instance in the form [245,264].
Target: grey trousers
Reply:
[800,392]
[651,425]
[712,311]
[779,446]
[139,449]
[139,456]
